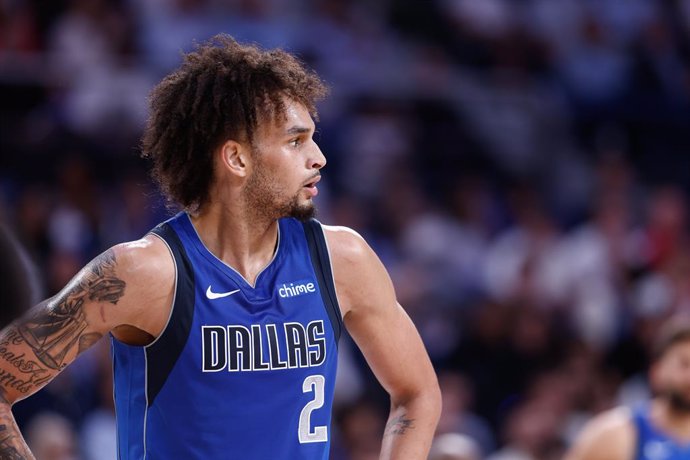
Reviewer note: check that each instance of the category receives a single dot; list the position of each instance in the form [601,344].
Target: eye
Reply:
[296,142]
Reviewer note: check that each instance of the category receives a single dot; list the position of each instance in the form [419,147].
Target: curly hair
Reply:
[223,90]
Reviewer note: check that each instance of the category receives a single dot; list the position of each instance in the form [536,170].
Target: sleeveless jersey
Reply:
[240,371]
[652,443]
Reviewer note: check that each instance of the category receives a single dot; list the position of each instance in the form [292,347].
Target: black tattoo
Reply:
[86,340]
[104,286]
[7,450]
[33,373]
[55,330]
[399,425]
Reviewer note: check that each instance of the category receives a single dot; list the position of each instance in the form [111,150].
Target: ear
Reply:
[235,157]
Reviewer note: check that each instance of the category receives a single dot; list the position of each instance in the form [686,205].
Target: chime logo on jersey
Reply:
[257,348]
[296,288]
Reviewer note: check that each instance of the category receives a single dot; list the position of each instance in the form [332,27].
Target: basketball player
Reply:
[659,430]
[224,320]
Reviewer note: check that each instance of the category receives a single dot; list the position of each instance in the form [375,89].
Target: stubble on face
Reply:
[672,380]
[269,201]
[678,402]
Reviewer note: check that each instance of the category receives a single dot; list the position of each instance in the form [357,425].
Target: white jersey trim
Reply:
[253,286]
[330,262]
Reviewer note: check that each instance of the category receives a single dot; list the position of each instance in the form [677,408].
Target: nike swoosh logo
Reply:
[217,295]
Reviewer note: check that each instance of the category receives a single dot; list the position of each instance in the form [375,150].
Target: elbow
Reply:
[435,401]
[426,399]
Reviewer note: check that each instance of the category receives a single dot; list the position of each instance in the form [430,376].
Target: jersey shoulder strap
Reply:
[162,354]
[320,258]
[643,429]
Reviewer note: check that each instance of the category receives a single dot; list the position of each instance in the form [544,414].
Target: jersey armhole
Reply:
[162,353]
[172,305]
[321,261]
[155,233]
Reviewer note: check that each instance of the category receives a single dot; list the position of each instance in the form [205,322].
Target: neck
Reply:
[674,422]
[242,240]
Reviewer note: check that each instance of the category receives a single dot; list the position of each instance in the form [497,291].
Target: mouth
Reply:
[311,186]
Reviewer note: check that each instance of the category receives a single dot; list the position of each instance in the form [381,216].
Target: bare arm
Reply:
[609,436]
[390,343]
[100,298]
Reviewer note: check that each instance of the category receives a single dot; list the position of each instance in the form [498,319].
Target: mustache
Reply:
[313,178]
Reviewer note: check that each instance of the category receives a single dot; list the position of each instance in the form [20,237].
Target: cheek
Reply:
[281,176]
[684,375]
[659,377]
[675,376]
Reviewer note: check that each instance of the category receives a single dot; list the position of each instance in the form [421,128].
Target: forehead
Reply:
[295,116]
[296,112]
[677,350]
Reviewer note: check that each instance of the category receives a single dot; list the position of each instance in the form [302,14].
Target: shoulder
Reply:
[608,436]
[616,422]
[143,261]
[361,280]
[146,270]
[349,251]
[346,245]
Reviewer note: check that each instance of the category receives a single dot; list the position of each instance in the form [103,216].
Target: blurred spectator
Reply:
[518,263]
[597,71]
[51,437]
[453,446]
[361,427]
[531,432]
[91,46]
[657,427]
[98,433]
[458,419]
[666,232]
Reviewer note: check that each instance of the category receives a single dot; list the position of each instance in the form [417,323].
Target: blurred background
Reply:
[522,167]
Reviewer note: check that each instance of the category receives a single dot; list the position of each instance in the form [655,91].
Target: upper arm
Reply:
[112,290]
[609,436]
[377,323]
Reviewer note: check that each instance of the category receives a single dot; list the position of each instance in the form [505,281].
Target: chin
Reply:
[679,402]
[303,213]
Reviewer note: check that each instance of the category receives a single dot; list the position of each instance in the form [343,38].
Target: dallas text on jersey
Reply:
[238,348]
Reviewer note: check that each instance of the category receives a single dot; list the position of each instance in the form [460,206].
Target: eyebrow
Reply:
[298,130]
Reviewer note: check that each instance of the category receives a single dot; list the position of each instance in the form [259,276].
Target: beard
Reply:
[293,208]
[677,401]
[268,201]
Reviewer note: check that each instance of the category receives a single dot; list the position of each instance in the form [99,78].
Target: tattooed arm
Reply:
[390,343]
[124,290]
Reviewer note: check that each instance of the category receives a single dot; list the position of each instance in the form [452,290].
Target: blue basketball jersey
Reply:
[652,443]
[240,371]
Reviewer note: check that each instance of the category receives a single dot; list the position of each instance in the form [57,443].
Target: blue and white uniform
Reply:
[652,443]
[240,371]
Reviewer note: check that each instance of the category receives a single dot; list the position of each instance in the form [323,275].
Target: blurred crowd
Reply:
[522,167]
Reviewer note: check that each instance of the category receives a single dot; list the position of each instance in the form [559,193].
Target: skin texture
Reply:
[611,435]
[389,342]
[128,290]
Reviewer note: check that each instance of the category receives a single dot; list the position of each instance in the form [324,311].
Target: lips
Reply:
[311,186]
[313,182]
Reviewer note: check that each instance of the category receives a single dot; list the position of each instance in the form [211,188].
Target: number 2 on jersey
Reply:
[315,383]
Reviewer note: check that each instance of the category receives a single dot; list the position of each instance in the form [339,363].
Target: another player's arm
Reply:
[111,293]
[609,436]
[389,342]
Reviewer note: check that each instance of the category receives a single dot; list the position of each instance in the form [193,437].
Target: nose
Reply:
[318,159]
